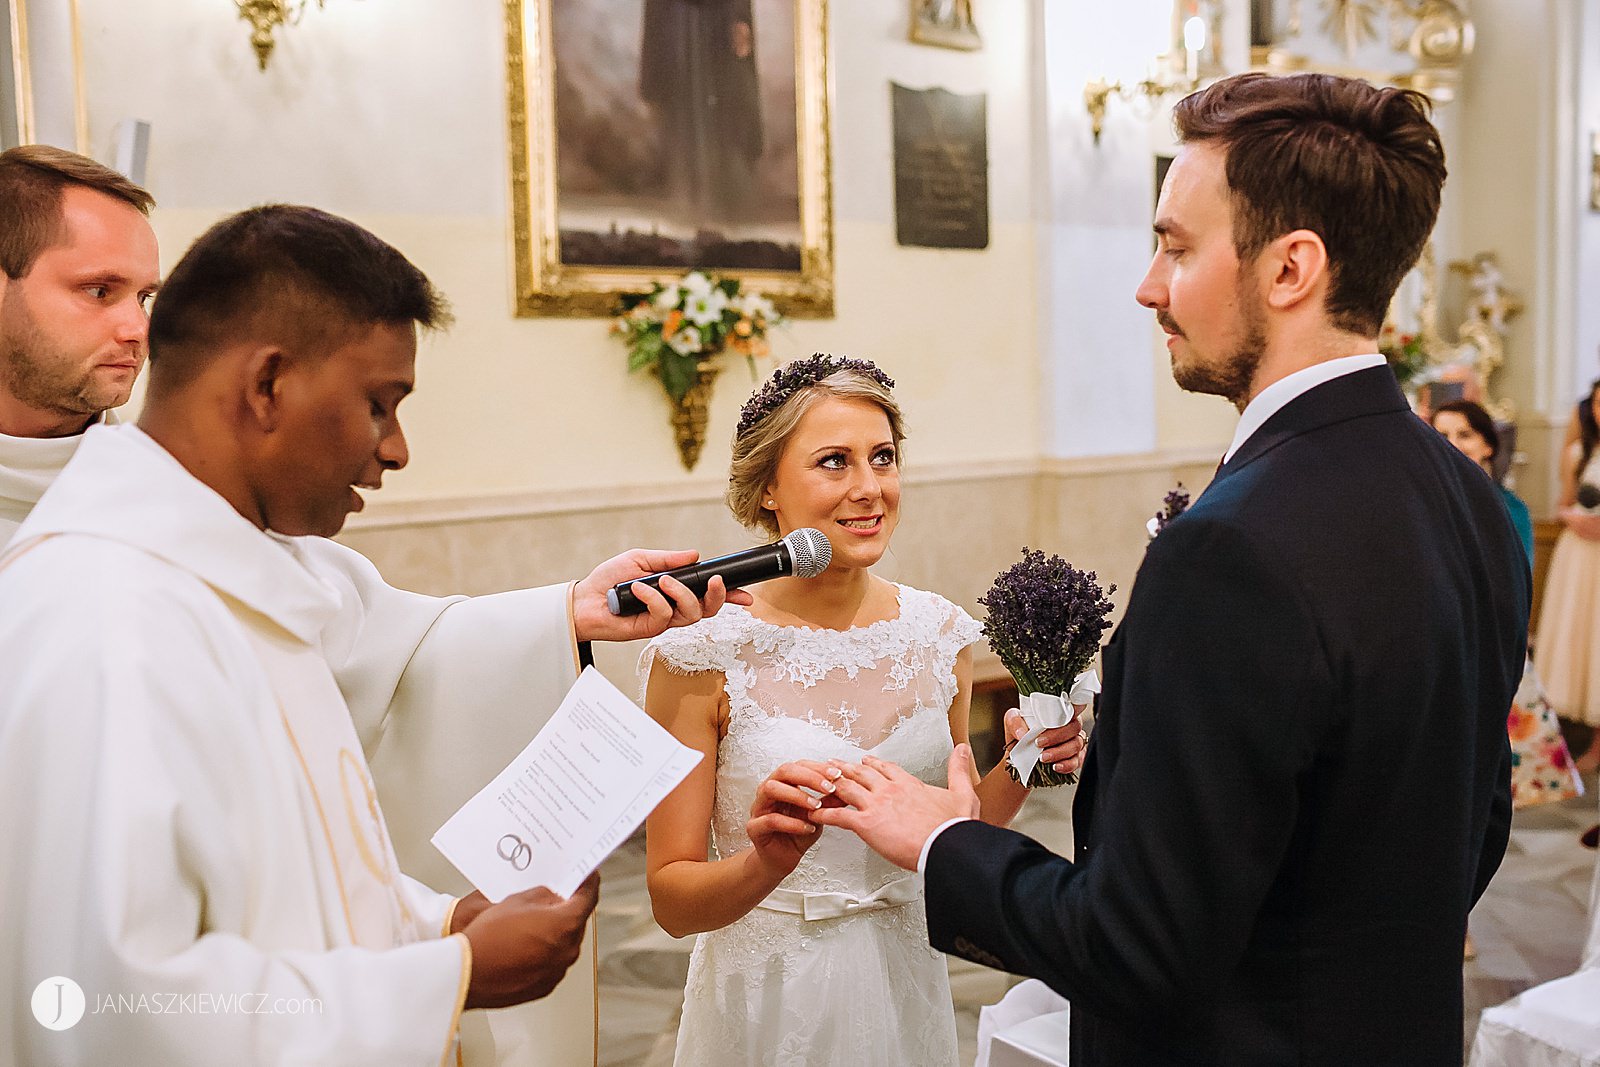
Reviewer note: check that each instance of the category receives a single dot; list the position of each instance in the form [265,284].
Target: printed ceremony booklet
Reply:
[579,789]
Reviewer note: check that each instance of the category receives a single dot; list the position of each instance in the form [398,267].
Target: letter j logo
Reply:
[58,1003]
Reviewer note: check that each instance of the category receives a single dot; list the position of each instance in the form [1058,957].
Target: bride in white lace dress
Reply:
[812,950]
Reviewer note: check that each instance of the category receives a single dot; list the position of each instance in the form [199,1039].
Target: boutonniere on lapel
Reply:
[1173,504]
[1045,621]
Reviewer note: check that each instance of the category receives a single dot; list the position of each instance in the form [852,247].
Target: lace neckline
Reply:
[871,627]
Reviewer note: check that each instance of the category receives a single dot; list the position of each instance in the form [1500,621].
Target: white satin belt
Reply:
[813,906]
[1048,711]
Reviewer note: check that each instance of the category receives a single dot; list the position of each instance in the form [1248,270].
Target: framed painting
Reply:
[652,137]
[946,23]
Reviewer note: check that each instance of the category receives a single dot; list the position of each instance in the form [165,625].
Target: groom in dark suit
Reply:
[1300,780]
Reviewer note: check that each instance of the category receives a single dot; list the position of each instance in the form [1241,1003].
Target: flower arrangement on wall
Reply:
[677,332]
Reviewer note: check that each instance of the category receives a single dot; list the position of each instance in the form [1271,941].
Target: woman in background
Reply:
[1569,622]
[1471,429]
[1541,766]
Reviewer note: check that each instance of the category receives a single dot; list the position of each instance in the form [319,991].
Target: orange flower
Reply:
[743,328]
[670,327]
[1519,724]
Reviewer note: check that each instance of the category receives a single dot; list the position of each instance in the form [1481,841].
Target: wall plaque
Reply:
[941,168]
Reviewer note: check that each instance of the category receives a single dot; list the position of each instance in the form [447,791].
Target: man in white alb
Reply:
[187,806]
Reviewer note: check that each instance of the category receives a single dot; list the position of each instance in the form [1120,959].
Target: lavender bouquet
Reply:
[1173,504]
[1045,621]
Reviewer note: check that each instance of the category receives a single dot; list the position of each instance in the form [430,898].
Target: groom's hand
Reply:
[895,812]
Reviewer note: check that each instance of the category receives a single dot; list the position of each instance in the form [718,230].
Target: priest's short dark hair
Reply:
[288,275]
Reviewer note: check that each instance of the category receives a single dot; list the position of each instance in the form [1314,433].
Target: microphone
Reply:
[803,553]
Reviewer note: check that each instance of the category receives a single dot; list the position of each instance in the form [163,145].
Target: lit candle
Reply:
[1194,42]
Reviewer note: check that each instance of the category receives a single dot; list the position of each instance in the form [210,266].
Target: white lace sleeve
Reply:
[959,631]
[693,649]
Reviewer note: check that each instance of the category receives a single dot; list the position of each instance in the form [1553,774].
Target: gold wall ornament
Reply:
[945,23]
[1352,22]
[264,17]
[549,279]
[1097,95]
[1478,350]
[1193,58]
[1594,171]
[1436,36]
[16,95]
[691,414]
[41,60]
[1441,44]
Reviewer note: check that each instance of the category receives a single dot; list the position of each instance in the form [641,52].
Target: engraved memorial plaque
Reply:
[941,168]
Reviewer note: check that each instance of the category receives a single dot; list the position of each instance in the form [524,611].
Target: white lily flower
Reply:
[695,282]
[756,306]
[668,298]
[705,308]
[686,342]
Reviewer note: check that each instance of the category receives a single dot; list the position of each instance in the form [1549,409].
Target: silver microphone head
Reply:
[809,550]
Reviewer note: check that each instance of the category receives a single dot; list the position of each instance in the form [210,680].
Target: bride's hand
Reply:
[779,828]
[1062,748]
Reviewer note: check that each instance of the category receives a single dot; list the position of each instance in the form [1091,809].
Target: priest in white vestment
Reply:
[184,806]
[189,812]
[440,689]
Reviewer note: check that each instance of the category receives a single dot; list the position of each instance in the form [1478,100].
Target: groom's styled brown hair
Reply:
[1360,166]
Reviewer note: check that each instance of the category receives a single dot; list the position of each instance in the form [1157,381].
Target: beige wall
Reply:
[393,112]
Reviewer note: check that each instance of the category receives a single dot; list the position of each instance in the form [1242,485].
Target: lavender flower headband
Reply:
[793,377]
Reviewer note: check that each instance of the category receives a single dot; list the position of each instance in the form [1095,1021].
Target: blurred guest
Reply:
[1569,622]
[1471,429]
[1541,765]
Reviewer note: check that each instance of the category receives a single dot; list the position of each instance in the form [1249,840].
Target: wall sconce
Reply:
[264,17]
[1098,92]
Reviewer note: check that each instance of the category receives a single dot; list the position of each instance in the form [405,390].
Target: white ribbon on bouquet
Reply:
[1047,711]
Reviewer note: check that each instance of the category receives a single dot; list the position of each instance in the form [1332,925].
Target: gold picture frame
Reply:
[546,285]
[16,100]
[945,24]
[41,66]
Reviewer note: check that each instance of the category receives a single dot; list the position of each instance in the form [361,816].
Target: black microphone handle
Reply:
[745,567]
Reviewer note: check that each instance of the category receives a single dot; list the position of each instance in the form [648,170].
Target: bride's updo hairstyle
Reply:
[770,416]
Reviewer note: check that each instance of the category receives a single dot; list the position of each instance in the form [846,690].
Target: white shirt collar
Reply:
[123,486]
[1276,396]
[29,464]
